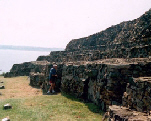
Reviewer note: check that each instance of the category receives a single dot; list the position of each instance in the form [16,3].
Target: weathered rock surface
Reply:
[42,79]
[43,58]
[24,69]
[131,39]
[120,113]
[102,82]
[138,94]
[36,79]
[124,35]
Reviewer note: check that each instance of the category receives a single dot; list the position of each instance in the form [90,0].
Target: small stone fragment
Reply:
[6,119]
[2,87]
[7,106]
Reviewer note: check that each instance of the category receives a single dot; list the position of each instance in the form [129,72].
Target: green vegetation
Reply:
[59,107]
[45,108]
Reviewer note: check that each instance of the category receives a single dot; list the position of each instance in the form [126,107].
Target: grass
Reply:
[29,104]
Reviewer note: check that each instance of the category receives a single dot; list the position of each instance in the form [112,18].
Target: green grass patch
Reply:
[49,107]
[59,107]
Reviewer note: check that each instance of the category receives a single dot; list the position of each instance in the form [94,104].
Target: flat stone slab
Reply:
[7,106]
[121,113]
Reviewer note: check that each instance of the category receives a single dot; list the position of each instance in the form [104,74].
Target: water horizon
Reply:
[11,57]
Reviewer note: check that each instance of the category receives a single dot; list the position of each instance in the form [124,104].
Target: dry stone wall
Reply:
[41,78]
[137,51]
[131,39]
[138,94]
[102,83]
[24,69]
[128,34]
[120,113]
[43,58]
[36,79]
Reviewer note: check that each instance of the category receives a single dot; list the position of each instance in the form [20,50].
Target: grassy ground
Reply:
[30,104]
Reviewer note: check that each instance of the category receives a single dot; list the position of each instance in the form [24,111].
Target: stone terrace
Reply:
[111,67]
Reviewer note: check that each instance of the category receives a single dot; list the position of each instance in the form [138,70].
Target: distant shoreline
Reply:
[9,57]
[29,48]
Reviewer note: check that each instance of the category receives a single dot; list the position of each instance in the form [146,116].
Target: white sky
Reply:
[53,23]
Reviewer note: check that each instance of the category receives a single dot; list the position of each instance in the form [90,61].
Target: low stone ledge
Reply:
[120,113]
[36,78]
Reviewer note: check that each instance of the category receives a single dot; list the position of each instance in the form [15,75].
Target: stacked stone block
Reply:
[137,51]
[138,94]
[36,79]
[42,79]
[120,113]
[25,68]
[102,83]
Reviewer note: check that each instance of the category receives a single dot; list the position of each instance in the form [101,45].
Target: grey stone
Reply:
[6,119]
[7,106]
[2,87]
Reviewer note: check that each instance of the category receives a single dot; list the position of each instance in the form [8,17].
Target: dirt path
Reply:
[17,87]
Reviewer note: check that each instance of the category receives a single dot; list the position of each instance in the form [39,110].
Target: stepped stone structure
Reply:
[111,68]
[43,58]
[25,68]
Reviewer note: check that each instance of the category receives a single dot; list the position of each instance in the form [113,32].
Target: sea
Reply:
[10,57]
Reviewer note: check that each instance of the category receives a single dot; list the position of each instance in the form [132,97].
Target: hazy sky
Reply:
[53,23]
